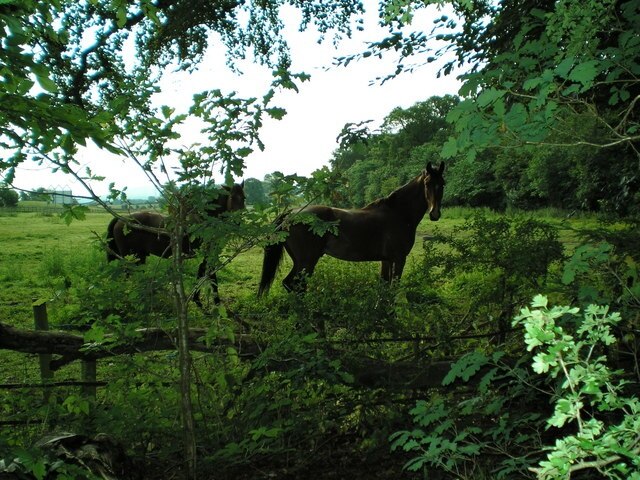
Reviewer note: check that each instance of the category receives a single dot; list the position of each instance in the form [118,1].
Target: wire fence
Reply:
[44,210]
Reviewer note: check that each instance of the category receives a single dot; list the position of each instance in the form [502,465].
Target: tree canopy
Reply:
[561,77]
[67,79]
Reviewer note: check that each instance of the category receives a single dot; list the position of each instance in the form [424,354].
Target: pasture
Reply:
[264,413]
[40,250]
[44,259]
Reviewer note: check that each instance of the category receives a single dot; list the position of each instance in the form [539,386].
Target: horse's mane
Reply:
[392,197]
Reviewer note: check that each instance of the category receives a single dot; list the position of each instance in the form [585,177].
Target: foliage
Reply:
[494,263]
[35,464]
[530,64]
[370,165]
[480,434]
[560,75]
[457,435]
[254,190]
[8,197]
[367,165]
[594,419]
[591,396]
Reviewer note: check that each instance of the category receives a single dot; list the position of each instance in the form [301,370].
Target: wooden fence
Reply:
[41,323]
[410,373]
[43,210]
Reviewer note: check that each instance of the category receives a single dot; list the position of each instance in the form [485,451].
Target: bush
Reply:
[490,266]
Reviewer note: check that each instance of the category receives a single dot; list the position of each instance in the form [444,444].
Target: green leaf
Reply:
[585,73]
[277,113]
[531,83]
[487,97]
[74,212]
[486,380]
[121,15]
[466,367]
[516,117]
[167,111]
[450,148]
[244,152]
[564,67]
[539,301]
[46,83]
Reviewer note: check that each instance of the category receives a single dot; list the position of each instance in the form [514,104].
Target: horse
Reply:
[145,233]
[384,231]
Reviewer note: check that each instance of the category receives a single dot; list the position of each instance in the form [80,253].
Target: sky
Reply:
[305,138]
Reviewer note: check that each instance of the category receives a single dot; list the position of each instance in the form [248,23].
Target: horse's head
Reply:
[235,197]
[433,189]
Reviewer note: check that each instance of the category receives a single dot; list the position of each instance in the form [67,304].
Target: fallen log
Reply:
[72,347]
[366,372]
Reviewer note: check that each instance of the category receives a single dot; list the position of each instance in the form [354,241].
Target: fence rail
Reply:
[56,209]
[52,209]
[406,373]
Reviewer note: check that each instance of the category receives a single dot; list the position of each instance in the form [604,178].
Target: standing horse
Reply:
[145,233]
[384,231]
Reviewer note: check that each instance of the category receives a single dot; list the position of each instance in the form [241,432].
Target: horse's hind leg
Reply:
[305,249]
[213,280]
[303,267]
[296,281]
[392,270]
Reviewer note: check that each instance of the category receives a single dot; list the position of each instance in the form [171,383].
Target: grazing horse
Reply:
[145,233]
[384,231]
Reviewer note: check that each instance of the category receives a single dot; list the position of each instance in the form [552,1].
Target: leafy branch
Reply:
[589,389]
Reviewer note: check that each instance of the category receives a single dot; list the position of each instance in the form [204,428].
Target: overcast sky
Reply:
[305,138]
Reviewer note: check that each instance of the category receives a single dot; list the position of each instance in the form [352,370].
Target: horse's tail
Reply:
[272,257]
[112,247]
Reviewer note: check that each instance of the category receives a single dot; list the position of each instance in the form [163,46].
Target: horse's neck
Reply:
[220,206]
[407,201]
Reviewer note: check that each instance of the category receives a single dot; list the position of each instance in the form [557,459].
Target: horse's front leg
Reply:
[203,271]
[392,270]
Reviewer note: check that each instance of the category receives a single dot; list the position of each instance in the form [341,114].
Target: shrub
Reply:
[492,265]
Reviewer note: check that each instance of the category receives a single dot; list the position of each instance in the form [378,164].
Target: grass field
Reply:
[40,256]
[43,258]
[39,249]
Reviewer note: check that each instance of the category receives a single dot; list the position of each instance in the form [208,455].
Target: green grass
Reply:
[37,250]
[43,258]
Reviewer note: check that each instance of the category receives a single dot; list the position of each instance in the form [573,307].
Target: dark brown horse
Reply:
[145,233]
[384,231]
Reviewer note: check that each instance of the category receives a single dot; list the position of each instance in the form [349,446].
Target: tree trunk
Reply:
[184,354]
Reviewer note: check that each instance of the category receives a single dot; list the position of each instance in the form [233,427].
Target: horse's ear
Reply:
[242,184]
[441,169]
[429,167]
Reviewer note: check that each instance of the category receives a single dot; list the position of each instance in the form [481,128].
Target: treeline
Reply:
[370,164]
[8,197]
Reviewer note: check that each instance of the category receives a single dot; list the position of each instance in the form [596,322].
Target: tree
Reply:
[254,190]
[8,197]
[87,92]
[531,71]
[375,163]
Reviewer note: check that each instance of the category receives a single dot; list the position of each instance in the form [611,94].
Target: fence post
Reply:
[89,376]
[41,321]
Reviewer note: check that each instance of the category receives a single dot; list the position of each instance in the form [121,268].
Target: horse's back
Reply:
[149,219]
[371,234]
[139,242]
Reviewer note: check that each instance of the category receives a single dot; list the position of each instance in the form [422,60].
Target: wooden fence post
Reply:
[89,376]
[41,320]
